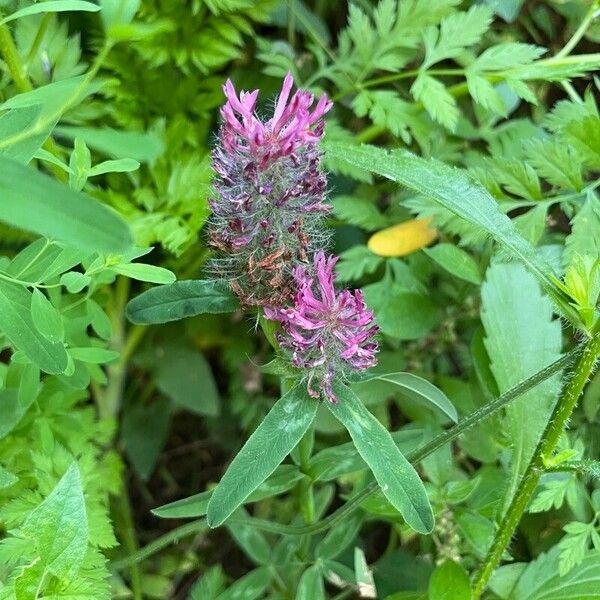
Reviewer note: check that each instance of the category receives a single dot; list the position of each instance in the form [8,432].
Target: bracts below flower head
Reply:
[327,333]
[270,192]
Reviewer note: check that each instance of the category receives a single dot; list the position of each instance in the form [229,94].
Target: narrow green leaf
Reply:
[270,443]
[282,480]
[396,476]
[59,526]
[46,317]
[35,202]
[143,272]
[456,261]
[122,165]
[454,190]
[418,388]
[17,324]
[140,146]
[181,299]
[94,355]
[52,6]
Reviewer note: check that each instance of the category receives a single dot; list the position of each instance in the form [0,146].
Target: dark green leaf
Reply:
[272,441]
[449,582]
[181,299]
[311,585]
[396,476]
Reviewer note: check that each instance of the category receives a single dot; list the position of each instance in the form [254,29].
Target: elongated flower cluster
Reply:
[270,192]
[327,332]
[270,199]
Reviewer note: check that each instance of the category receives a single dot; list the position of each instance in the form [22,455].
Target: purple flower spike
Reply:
[327,332]
[292,126]
[270,192]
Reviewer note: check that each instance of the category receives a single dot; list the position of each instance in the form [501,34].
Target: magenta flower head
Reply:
[328,333]
[270,192]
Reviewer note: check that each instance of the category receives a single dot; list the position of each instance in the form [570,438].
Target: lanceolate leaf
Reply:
[181,299]
[418,388]
[52,6]
[35,202]
[454,190]
[272,441]
[397,478]
[17,324]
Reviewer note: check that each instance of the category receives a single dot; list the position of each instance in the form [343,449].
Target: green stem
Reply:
[124,524]
[545,448]
[39,36]
[12,59]
[158,544]
[592,13]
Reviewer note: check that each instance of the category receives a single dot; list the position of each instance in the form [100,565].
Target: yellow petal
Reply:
[403,239]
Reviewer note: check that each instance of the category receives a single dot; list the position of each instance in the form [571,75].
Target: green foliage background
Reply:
[108,113]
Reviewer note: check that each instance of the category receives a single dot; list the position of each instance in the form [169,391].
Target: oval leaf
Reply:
[456,261]
[46,318]
[35,202]
[395,475]
[143,272]
[181,299]
[272,441]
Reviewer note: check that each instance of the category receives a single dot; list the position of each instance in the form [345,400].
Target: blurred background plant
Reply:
[121,104]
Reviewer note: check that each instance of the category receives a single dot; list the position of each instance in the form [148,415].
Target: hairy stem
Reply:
[546,446]
[13,61]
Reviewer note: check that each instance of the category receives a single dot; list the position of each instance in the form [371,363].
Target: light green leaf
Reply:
[521,339]
[455,191]
[360,212]
[143,147]
[485,94]
[11,411]
[52,6]
[143,272]
[507,54]
[46,318]
[59,526]
[311,585]
[585,231]
[7,478]
[181,299]
[270,443]
[123,165]
[436,99]
[17,324]
[75,281]
[35,202]
[118,12]
[541,579]
[449,581]
[415,387]
[14,122]
[456,261]
[396,476]
[94,355]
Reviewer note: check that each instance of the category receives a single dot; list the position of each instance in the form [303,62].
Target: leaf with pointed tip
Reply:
[270,443]
[396,476]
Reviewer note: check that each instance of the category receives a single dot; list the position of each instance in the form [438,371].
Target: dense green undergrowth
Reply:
[462,154]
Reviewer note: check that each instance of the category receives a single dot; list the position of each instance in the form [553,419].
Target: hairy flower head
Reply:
[327,332]
[270,192]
